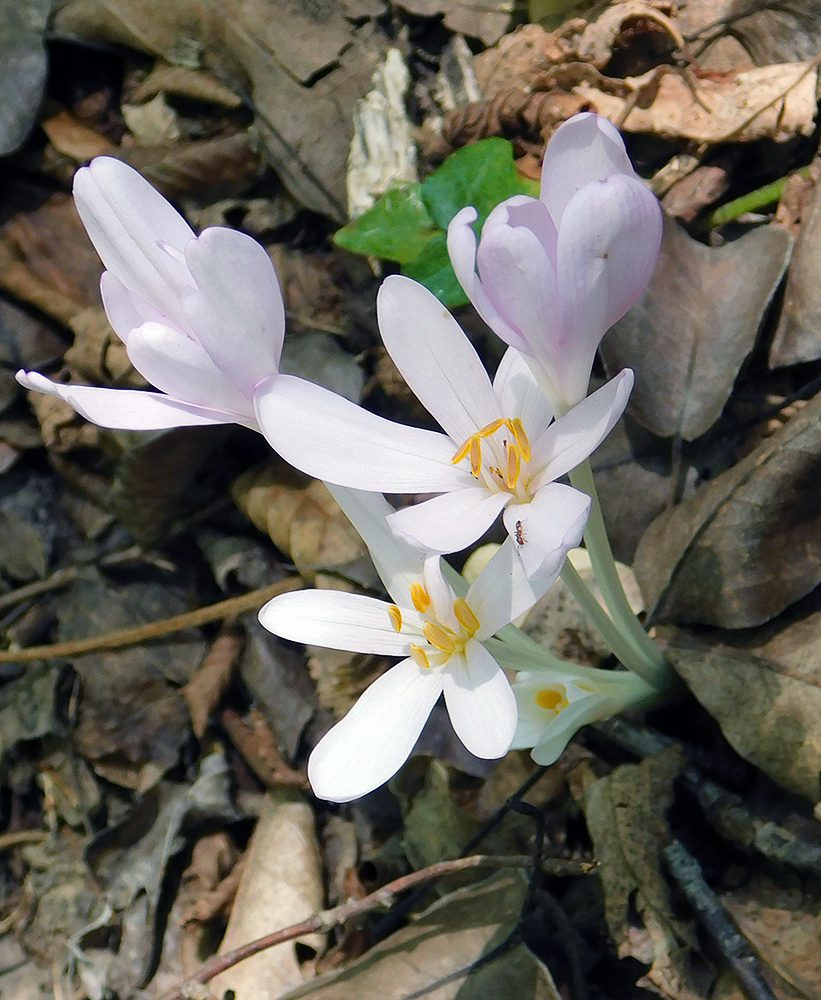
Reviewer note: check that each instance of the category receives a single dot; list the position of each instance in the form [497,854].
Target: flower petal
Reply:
[549,526]
[480,702]
[376,737]
[332,438]
[575,435]
[125,310]
[435,358]
[126,409]
[519,393]
[335,619]
[397,563]
[585,148]
[130,224]
[462,252]
[451,521]
[502,591]
[175,363]
[237,310]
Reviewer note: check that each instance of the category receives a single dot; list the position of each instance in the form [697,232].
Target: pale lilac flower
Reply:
[202,317]
[437,625]
[551,275]
[500,450]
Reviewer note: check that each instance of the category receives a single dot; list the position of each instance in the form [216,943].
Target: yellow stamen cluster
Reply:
[444,640]
[552,699]
[516,451]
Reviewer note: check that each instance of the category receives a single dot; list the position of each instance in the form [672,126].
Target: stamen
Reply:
[396,617]
[475,456]
[512,470]
[460,454]
[551,699]
[518,431]
[419,656]
[420,598]
[465,616]
[438,637]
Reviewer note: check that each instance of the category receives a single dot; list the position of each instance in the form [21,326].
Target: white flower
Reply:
[500,450]
[436,629]
[202,318]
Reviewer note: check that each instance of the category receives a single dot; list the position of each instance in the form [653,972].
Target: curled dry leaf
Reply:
[689,334]
[747,544]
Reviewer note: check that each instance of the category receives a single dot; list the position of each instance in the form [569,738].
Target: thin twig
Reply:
[327,919]
[151,630]
[717,922]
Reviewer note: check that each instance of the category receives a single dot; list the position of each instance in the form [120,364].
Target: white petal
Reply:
[548,527]
[480,702]
[125,310]
[335,619]
[237,311]
[577,434]
[127,409]
[440,592]
[376,737]
[451,521]
[435,358]
[332,438]
[176,364]
[129,224]
[520,394]
[462,253]
[502,591]
[397,563]
[585,148]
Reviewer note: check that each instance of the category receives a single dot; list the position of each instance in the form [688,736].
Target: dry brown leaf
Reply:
[747,544]
[203,692]
[484,19]
[689,334]
[97,354]
[281,884]
[73,139]
[196,84]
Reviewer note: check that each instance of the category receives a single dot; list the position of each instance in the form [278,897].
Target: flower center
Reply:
[501,464]
[438,641]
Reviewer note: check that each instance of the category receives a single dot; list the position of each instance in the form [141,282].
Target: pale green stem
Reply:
[647,660]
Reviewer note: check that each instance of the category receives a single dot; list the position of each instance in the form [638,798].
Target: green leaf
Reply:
[432,269]
[397,227]
[482,174]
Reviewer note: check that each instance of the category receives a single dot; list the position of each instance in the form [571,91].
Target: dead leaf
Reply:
[203,692]
[798,336]
[447,937]
[485,20]
[23,57]
[435,826]
[29,706]
[769,708]
[689,334]
[75,140]
[747,544]
[281,884]
[97,354]
[23,553]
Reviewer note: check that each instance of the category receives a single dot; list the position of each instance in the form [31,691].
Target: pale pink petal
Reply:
[502,591]
[130,224]
[530,213]
[608,245]
[435,357]
[480,702]
[462,253]
[237,310]
[377,736]
[397,563]
[585,148]
[125,310]
[575,435]
[519,393]
[335,619]
[545,530]
[327,436]
[127,409]
[174,363]
[450,522]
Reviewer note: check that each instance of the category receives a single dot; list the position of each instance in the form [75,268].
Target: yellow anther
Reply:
[518,432]
[465,616]
[439,637]
[396,617]
[512,470]
[475,456]
[460,454]
[419,656]
[491,428]
[551,699]
[420,598]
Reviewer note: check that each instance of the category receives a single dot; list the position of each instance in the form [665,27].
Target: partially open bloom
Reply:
[437,625]
[551,275]
[202,317]
[501,450]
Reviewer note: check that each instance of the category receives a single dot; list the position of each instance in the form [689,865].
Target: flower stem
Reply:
[647,659]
